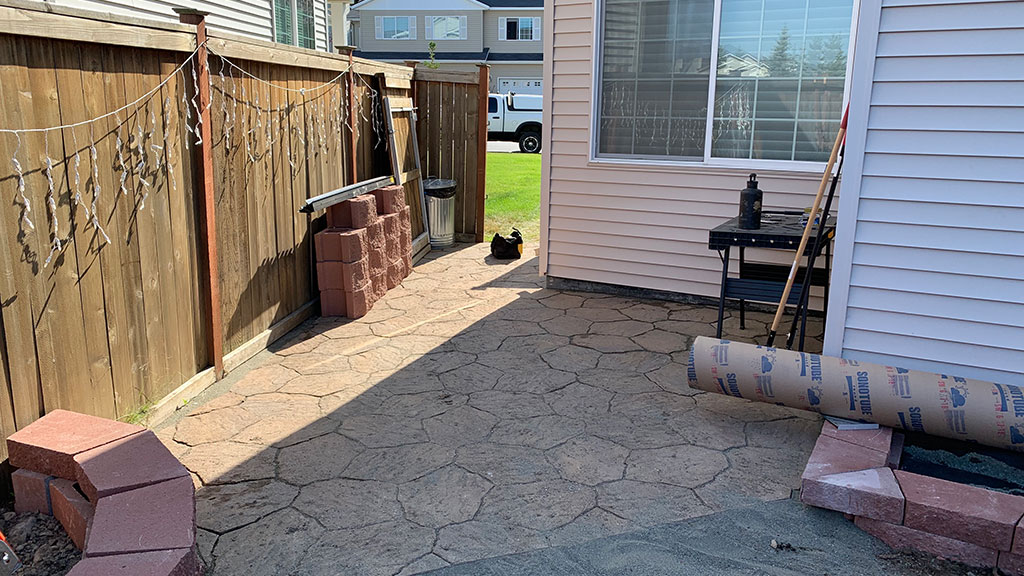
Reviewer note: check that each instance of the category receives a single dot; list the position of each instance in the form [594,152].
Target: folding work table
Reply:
[759,282]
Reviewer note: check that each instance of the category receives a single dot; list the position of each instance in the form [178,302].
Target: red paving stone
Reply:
[390,199]
[157,517]
[879,439]
[904,538]
[31,491]
[1018,539]
[341,245]
[358,212]
[974,515]
[179,562]
[359,302]
[873,493]
[332,303]
[832,456]
[48,445]
[125,464]
[895,450]
[72,510]
[342,275]
[1011,564]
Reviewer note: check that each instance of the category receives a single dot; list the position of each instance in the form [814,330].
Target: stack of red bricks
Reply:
[857,472]
[365,251]
[122,497]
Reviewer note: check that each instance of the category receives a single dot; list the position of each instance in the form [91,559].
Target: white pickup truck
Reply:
[515,117]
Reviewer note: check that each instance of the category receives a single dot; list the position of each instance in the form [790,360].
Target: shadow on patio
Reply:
[470,415]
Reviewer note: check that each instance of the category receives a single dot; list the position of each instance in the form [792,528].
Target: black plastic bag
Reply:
[507,248]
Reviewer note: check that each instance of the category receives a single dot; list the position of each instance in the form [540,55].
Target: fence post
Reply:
[207,221]
[481,150]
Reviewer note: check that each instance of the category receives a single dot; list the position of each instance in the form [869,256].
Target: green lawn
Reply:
[513,195]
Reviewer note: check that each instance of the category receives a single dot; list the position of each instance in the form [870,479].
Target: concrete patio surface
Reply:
[474,414]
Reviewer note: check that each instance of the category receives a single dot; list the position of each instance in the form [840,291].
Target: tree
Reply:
[432,63]
[781,62]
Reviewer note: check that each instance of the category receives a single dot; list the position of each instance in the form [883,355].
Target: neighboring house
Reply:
[505,34]
[296,22]
[656,112]
[339,24]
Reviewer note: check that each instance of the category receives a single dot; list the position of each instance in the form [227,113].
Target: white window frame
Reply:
[378,27]
[428,26]
[708,161]
[535,28]
[294,8]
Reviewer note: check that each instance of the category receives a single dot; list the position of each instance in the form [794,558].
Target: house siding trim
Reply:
[868,23]
[547,89]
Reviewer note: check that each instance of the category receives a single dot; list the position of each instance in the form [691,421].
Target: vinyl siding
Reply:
[631,224]
[510,46]
[251,18]
[368,42]
[933,251]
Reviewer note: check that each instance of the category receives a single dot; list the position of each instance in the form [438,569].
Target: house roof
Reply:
[467,56]
[514,3]
[514,57]
[485,56]
[488,3]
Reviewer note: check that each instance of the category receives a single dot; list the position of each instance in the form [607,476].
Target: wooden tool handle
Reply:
[840,137]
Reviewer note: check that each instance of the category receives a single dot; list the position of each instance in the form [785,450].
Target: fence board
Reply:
[38,108]
[449,137]
[15,279]
[125,337]
[98,398]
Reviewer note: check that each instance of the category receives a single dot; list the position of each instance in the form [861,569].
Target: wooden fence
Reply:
[453,139]
[112,327]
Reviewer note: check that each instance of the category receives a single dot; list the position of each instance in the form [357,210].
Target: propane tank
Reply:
[750,205]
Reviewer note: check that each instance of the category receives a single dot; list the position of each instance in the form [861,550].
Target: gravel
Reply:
[40,543]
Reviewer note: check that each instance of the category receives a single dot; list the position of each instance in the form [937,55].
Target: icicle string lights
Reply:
[318,120]
[26,207]
[51,203]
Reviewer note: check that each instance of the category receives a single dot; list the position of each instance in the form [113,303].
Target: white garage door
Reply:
[520,85]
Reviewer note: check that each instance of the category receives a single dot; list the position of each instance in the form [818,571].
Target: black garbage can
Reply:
[440,211]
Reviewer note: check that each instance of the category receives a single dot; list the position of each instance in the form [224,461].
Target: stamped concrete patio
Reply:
[473,414]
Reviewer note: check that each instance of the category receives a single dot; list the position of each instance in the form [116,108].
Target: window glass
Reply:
[656,71]
[512,29]
[395,27]
[778,87]
[781,74]
[492,105]
[283,22]
[446,28]
[526,28]
[307,29]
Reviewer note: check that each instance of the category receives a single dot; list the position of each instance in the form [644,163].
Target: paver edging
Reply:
[69,464]
[854,473]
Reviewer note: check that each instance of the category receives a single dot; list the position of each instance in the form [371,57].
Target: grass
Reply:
[513,195]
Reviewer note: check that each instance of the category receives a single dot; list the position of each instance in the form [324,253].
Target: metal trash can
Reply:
[440,211]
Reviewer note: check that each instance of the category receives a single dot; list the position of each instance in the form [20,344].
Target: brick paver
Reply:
[473,413]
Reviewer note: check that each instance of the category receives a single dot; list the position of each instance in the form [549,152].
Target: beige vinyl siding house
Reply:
[639,219]
[252,18]
[929,267]
[504,34]
[417,40]
[495,31]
